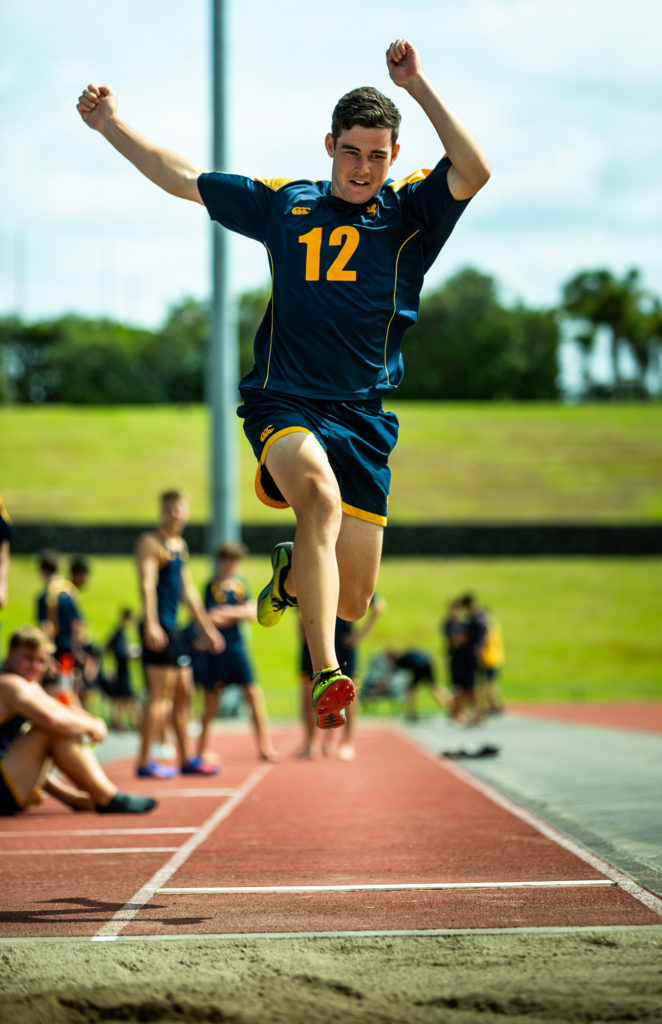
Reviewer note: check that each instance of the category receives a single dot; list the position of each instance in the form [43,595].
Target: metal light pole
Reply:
[223,361]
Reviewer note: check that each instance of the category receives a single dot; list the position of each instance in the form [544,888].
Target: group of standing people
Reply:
[475,655]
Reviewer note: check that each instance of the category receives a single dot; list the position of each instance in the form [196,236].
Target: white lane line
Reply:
[620,879]
[385,887]
[118,921]
[96,849]
[101,832]
[174,793]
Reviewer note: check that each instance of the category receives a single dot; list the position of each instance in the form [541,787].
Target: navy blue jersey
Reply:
[58,604]
[346,277]
[231,591]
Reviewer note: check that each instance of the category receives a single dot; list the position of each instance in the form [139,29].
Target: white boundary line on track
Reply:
[96,849]
[385,887]
[623,881]
[101,832]
[174,793]
[118,921]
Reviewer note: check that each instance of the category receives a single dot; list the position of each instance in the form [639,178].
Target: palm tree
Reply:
[604,301]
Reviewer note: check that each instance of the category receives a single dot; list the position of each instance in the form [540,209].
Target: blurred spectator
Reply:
[124,712]
[398,674]
[57,735]
[229,604]
[464,630]
[491,658]
[165,581]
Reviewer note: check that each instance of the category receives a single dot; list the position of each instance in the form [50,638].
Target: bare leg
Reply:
[346,750]
[299,465]
[311,746]
[358,555]
[254,698]
[212,698]
[440,696]
[28,761]
[181,711]
[161,682]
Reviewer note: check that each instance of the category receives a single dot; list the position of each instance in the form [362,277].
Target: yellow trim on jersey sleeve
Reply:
[410,179]
[274,183]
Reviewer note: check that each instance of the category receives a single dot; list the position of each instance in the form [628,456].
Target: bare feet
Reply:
[272,756]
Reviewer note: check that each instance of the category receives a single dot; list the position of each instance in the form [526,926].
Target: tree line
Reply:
[466,345]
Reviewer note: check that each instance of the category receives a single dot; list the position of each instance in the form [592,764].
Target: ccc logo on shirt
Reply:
[299,211]
[265,433]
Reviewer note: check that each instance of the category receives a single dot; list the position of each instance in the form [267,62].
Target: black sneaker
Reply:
[125,803]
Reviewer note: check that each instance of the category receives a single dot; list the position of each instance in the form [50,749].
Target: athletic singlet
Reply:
[169,585]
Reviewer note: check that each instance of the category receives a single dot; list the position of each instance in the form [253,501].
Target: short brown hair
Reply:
[368,107]
[48,560]
[32,638]
[231,549]
[167,496]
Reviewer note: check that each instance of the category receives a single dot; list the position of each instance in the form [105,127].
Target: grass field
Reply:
[454,462]
[575,629]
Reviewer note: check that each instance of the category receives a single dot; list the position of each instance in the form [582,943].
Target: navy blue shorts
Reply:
[174,655]
[232,667]
[358,438]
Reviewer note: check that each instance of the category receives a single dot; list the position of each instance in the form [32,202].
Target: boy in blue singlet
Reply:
[165,580]
[229,605]
[347,259]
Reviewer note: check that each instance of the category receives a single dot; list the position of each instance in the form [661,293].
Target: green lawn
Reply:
[575,629]
[454,462]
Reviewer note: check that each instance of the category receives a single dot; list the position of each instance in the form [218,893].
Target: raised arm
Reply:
[97,105]
[471,169]
[147,562]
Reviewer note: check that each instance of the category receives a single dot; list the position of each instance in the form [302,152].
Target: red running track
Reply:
[395,817]
[643,716]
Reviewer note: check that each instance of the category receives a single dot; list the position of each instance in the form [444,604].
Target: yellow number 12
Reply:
[347,237]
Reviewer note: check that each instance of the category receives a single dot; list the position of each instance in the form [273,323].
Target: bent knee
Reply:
[319,499]
[352,607]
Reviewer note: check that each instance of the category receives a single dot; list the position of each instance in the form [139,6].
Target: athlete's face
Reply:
[362,158]
[227,567]
[27,663]
[175,515]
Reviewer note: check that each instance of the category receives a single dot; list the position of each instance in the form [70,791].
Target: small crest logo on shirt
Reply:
[265,433]
[299,211]
[372,209]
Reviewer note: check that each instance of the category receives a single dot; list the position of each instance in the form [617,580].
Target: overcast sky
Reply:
[564,95]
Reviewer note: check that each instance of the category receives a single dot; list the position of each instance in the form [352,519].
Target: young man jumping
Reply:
[347,259]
